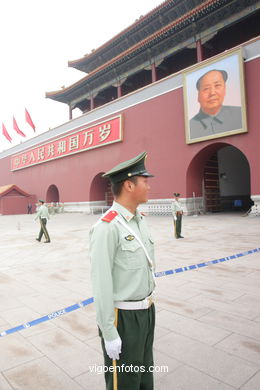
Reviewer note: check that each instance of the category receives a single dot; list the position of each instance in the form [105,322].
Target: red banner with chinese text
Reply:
[82,139]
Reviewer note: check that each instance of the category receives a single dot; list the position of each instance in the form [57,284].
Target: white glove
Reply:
[113,348]
[175,218]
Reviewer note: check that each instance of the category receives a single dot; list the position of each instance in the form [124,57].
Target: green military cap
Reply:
[41,201]
[128,169]
[177,194]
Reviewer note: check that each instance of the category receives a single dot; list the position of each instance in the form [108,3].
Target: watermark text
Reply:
[101,369]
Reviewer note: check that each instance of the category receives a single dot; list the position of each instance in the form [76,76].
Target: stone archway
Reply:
[219,177]
[234,179]
[98,189]
[52,195]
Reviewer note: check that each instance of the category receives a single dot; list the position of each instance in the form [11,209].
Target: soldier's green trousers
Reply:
[177,226]
[43,223]
[133,371]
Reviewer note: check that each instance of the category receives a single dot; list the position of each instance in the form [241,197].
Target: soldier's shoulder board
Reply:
[109,216]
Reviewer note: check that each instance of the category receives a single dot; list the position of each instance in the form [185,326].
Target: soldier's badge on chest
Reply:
[129,237]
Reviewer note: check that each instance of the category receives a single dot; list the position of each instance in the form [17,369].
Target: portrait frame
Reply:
[198,124]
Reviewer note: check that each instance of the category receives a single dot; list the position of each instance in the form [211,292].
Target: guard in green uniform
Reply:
[43,215]
[122,274]
[177,213]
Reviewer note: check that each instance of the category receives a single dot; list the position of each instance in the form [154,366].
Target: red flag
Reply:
[16,128]
[5,133]
[29,119]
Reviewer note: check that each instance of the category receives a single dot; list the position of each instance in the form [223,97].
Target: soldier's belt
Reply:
[135,305]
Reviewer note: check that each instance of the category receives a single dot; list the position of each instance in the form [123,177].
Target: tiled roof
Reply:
[140,44]
[6,188]
[125,31]
[9,187]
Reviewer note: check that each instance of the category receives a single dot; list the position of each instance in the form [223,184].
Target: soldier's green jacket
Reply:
[175,206]
[119,267]
[43,212]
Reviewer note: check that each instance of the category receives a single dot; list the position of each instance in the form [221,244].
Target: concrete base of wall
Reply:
[85,207]
[255,209]
[191,206]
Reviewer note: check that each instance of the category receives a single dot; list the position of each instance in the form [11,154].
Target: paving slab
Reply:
[233,323]
[91,380]
[218,364]
[187,378]
[16,350]
[253,383]
[189,309]
[196,288]
[40,374]
[245,347]
[209,334]
[78,324]
[244,311]
[4,384]
[66,351]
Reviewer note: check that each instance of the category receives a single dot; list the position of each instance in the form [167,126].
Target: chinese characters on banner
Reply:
[83,139]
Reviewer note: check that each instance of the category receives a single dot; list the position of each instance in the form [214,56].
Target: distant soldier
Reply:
[122,265]
[177,213]
[43,215]
[29,208]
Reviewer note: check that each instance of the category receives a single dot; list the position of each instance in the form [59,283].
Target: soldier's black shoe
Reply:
[37,239]
[45,242]
[180,237]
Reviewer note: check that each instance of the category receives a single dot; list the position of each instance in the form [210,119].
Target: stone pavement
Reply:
[208,319]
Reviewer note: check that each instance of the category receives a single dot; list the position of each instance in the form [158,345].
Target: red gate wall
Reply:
[157,126]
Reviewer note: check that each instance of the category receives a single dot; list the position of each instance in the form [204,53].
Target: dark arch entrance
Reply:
[100,189]
[234,179]
[220,174]
[52,194]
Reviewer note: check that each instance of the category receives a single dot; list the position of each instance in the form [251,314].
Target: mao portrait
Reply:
[214,99]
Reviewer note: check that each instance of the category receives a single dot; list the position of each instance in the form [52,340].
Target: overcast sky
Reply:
[38,38]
